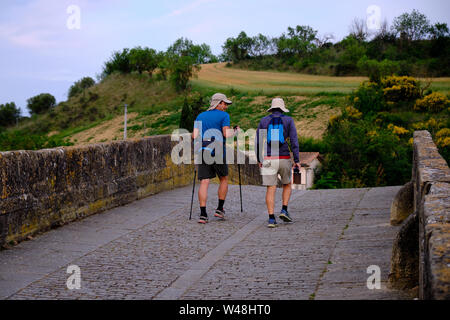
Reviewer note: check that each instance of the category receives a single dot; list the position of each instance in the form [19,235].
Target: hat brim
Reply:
[282,109]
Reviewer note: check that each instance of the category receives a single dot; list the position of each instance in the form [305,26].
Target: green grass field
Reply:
[218,76]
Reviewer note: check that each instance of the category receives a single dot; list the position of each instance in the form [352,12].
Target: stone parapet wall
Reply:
[431,176]
[47,188]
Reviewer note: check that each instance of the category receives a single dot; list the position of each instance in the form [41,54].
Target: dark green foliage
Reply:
[369,98]
[119,62]
[81,85]
[143,59]
[411,26]
[41,103]
[193,105]
[360,154]
[9,114]
[312,145]
[376,70]
[182,68]
[199,53]
[22,140]
[298,41]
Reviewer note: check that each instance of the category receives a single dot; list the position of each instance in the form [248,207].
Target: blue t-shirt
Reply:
[211,123]
[213,119]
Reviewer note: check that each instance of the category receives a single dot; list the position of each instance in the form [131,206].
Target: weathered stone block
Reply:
[403,204]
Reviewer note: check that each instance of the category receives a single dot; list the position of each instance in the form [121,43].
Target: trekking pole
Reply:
[193,189]
[240,187]
[239,168]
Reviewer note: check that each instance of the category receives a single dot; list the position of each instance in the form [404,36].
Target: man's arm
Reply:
[294,142]
[257,144]
[195,133]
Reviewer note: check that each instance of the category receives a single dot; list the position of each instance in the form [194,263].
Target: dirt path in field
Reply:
[107,131]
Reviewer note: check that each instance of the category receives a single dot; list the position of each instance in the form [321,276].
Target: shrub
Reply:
[397,130]
[434,102]
[398,89]
[80,86]
[193,105]
[119,62]
[41,103]
[360,154]
[377,70]
[442,139]
[181,70]
[22,140]
[368,98]
[9,113]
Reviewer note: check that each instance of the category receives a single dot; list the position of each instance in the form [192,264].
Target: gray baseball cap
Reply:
[218,98]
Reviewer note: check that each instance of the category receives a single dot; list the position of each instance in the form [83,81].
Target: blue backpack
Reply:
[275,124]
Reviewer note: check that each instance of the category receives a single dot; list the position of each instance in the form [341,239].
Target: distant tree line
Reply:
[412,45]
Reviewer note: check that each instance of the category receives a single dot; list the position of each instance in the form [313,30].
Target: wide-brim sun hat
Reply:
[218,98]
[278,103]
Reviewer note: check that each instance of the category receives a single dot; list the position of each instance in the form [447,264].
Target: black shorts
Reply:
[209,171]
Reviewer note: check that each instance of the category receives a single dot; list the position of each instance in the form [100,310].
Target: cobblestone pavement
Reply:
[150,250]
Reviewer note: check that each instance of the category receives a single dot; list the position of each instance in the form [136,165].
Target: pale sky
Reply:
[39,53]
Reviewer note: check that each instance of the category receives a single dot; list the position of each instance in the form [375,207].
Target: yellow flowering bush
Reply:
[397,130]
[334,120]
[443,138]
[434,102]
[352,112]
[397,89]
[430,124]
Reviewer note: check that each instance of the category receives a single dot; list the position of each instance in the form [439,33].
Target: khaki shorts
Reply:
[271,168]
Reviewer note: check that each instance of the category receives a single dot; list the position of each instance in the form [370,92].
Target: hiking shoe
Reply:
[220,214]
[203,219]
[272,223]
[284,215]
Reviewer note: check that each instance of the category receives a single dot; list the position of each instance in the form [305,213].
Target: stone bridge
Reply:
[149,249]
[140,244]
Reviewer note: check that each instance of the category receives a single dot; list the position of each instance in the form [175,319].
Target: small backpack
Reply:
[275,126]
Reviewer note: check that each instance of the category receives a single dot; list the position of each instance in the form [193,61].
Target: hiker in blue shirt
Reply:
[277,159]
[213,126]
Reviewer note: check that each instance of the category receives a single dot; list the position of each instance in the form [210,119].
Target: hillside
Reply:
[155,108]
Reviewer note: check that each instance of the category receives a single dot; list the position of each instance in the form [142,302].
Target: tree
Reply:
[182,68]
[120,62]
[439,30]
[193,105]
[352,52]
[9,113]
[358,29]
[411,26]
[143,59]
[199,53]
[80,86]
[41,103]
[298,41]
[261,45]
[237,49]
